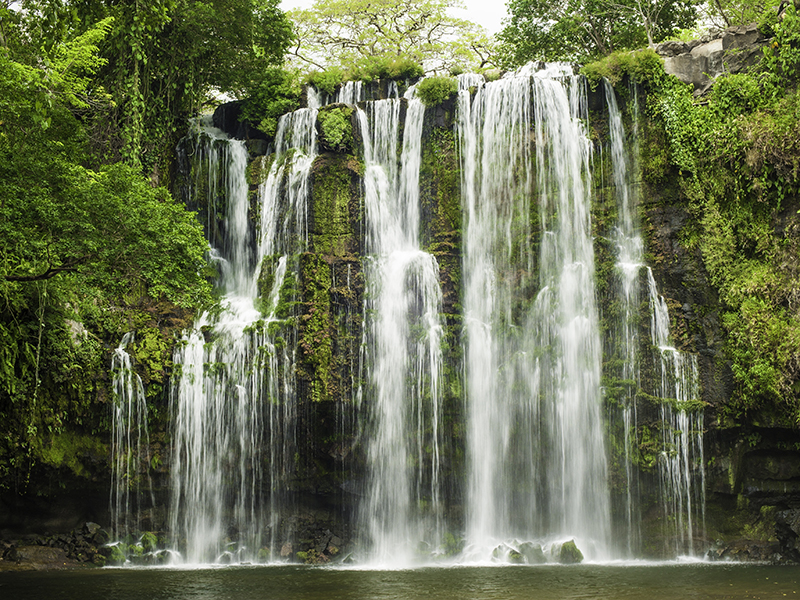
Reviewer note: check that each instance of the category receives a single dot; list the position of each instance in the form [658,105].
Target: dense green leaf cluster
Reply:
[158,63]
[365,35]
[578,30]
[90,248]
[437,89]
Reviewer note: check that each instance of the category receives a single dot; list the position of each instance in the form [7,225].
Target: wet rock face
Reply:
[699,62]
[570,554]
[787,528]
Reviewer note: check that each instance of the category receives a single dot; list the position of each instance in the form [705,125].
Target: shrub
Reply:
[327,81]
[336,129]
[371,68]
[435,90]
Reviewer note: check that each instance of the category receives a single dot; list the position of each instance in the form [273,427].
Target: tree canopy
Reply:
[90,246]
[726,13]
[587,29]
[343,32]
[160,61]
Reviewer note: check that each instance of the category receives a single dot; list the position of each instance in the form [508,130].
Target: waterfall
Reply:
[235,395]
[681,467]
[351,92]
[403,341]
[537,467]
[130,447]
[629,262]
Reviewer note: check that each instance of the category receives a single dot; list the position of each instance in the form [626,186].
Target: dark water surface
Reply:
[641,582]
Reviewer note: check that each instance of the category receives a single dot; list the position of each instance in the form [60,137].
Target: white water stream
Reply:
[235,396]
[537,467]
[131,486]
[403,341]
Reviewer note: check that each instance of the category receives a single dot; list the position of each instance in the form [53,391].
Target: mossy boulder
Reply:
[336,128]
[569,554]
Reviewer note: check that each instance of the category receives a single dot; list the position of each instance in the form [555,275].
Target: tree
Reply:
[163,60]
[727,13]
[83,248]
[587,29]
[343,32]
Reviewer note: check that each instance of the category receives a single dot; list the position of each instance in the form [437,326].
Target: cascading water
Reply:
[536,457]
[403,342]
[536,451]
[629,262]
[680,463]
[130,443]
[235,395]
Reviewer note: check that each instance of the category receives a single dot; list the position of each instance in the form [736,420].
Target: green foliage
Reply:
[274,92]
[345,32]
[366,68]
[735,155]
[87,249]
[68,450]
[157,63]
[587,29]
[117,555]
[437,89]
[370,68]
[328,80]
[727,13]
[736,94]
[149,541]
[642,66]
[781,64]
[337,131]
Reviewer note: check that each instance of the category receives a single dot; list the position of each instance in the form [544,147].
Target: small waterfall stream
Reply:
[403,340]
[629,263]
[131,486]
[680,462]
[681,466]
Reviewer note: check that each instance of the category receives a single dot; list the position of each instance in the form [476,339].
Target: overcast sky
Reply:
[488,13]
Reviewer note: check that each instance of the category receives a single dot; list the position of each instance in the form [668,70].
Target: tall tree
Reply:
[163,60]
[585,29]
[727,13]
[342,32]
[83,247]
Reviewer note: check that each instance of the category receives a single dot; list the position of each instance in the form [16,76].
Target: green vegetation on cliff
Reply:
[734,156]
[90,248]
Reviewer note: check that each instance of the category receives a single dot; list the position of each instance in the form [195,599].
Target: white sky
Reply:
[488,13]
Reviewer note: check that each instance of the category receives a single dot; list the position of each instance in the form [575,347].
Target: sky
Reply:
[488,13]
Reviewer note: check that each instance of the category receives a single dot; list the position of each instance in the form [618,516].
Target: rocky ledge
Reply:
[700,61]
